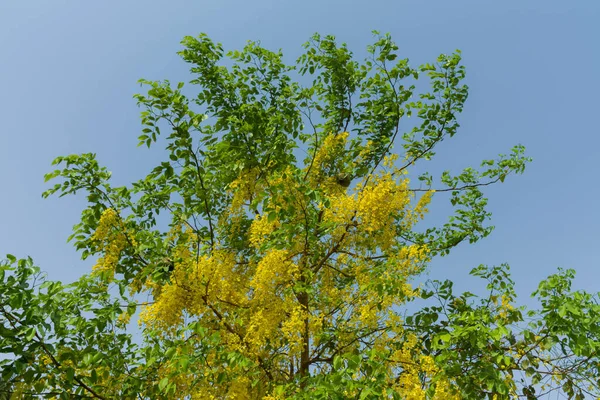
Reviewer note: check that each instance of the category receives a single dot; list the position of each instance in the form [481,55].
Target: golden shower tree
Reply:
[284,263]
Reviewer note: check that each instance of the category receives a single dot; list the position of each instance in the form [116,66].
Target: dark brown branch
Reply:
[452,189]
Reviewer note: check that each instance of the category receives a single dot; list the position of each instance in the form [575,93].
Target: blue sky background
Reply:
[68,71]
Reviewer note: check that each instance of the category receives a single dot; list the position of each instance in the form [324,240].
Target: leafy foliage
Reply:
[292,240]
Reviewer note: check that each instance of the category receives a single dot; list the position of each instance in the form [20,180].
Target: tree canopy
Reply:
[293,226]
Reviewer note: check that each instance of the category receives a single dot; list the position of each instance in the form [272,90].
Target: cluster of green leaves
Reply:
[60,338]
[488,348]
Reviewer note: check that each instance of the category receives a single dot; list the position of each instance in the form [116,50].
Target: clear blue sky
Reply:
[68,70]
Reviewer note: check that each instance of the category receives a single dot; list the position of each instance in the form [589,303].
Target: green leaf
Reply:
[163,384]
[30,334]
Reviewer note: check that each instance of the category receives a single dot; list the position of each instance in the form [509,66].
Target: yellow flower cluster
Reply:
[272,397]
[380,203]
[409,383]
[505,307]
[365,152]
[261,327]
[416,367]
[240,389]
[445,391]
[376,210]
[243,188]
[377,286]
[408,261]
[421,209]
[167,309]
[292,328]
[123,319]
[260,229]
[271,299]
[112,238]
[339,214]
[274,270]
[194,284]
[331,149]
